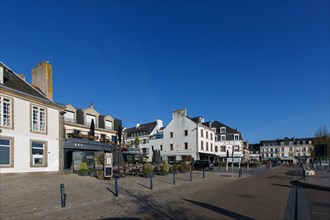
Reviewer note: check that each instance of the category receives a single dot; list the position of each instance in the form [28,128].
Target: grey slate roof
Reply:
[13,81]
[229,130]
[148,128]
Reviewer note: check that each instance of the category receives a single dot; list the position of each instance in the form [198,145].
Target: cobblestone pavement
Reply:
[37,196]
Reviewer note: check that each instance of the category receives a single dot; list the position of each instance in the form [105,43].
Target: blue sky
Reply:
[259,66]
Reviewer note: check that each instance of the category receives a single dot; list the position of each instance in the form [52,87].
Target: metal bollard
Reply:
[116,186]
[190,175]
[150,181]
[63,195]
[173,178]
[203,174]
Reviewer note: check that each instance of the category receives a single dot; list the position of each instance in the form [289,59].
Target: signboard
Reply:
[108,160]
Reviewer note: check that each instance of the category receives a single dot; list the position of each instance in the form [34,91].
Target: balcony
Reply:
[76,134]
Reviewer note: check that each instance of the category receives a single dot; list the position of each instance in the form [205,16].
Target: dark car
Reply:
[203,165]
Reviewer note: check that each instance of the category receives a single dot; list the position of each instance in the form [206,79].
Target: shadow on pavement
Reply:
[219,210]
[111,191]
[148,187]
[275,184]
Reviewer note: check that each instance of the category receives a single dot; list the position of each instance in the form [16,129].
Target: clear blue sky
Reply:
[259,66]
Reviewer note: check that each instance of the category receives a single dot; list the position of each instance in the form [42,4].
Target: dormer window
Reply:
[236,137]
[223,130]
[89,119]
[108,125]
[69,116]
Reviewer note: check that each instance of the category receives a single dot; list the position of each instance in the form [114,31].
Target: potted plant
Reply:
[148,170]
[164,169]
[99,164]
[175,168]
[83,169]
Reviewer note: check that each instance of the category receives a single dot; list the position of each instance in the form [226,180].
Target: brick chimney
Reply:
[42,77]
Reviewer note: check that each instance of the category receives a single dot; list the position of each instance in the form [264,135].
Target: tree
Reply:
[136,141]
[322,137]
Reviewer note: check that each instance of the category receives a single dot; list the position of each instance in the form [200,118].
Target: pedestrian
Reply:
[240,172]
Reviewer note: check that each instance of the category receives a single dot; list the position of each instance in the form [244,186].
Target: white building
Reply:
[144,133]
[187,138]
[30,122]
[288,150]
[229,142]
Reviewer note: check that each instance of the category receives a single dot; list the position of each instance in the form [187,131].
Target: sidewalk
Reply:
[320,181]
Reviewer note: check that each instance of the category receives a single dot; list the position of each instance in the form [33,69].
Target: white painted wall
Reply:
[178,125]
[22,137]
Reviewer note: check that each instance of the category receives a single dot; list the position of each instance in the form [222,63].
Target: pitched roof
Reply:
[148,127]
[218,125]
[13,81]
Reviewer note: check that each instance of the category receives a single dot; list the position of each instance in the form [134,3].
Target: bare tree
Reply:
[322,137]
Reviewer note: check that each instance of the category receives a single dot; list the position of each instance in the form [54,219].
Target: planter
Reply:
[100,174]
[163,173]
[83,173]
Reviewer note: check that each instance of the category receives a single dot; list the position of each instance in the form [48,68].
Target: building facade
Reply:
[229,142]
[144,133]
[86,132]
[30,122]
[286,150]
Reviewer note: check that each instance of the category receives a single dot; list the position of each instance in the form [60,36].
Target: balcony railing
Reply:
[87,136]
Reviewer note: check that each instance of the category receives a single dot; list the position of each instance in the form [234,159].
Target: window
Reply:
[223,130]
[290,143]
[211,147]
[236,137]
[202,145]
[207,135]
[6,152]
[5,112]
[211,136]
[282,143]
[216,148]
[69,116]
[38,119]
[186,146]
[108,125]
[207,146]
[171,146]
[161,147]
[236,148]
[38,153]
[304,142]
[298,142]
[223,149]
[185,132]
[202,133]
[171,134]
[89,119]
[223,137]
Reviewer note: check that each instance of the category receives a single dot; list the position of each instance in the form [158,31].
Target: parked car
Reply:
[203,165]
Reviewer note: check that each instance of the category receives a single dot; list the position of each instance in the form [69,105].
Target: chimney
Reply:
[137,125]
[1,75]
[42,78]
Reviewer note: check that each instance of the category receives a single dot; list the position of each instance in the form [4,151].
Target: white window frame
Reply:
[39,119]
[223,137]
[223,130]
[42,156]
[89,118]
[236,137]
[108,127]
[69,119]
[6,110]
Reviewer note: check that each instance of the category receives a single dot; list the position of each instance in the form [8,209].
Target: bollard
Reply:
[203,174]
[173,178]
[116,186]
[150,181]
[63,195]
[190,175]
